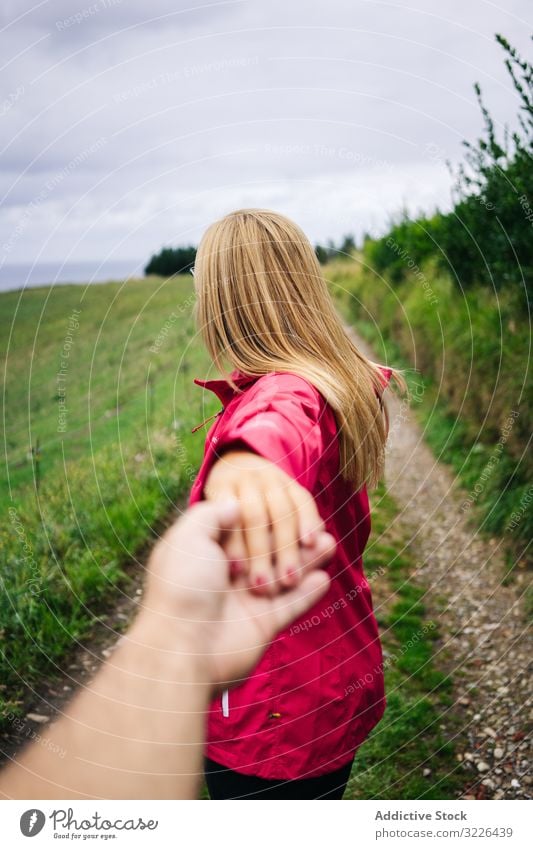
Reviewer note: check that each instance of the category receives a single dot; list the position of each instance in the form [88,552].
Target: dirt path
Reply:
[485,642]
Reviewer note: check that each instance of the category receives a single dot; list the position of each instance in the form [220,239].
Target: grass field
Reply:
[119,357]
[103,378]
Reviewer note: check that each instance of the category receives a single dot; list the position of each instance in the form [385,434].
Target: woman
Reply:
[301,435]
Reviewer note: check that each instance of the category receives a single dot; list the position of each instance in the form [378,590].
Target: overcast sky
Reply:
[128,125]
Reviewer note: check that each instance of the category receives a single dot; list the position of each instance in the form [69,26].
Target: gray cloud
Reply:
[91,18]
[134,126]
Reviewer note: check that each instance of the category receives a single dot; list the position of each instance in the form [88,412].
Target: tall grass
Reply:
[470,358]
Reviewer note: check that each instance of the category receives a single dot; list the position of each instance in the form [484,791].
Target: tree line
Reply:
[172,261]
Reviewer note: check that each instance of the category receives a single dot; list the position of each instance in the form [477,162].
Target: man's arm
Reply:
[137,730]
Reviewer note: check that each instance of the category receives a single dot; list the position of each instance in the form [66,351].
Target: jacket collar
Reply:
[386,372]
[223,390]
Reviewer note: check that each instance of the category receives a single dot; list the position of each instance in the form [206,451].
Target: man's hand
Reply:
[215,615]
[137,730]
[279,519]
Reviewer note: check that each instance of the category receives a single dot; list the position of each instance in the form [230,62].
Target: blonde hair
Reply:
[263,305]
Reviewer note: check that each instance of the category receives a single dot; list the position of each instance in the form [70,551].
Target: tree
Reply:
[487,237]
[331,251]
[170,261]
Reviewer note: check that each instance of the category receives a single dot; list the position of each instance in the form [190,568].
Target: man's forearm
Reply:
[135,732]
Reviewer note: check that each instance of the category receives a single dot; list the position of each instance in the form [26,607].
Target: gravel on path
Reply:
[485,640]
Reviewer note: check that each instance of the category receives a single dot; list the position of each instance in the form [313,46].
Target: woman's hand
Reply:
[278,518]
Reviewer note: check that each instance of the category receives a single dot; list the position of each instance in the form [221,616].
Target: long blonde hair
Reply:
[263,305]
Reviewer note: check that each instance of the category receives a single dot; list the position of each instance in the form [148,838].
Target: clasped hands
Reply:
[240,566]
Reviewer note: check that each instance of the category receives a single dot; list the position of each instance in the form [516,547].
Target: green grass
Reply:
[125,458]
[409,739]
[467,365]
[110,374]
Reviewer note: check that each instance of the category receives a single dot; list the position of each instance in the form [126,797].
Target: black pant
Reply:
[224,783]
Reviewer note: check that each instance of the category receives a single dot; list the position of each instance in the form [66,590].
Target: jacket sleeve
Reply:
[281,422]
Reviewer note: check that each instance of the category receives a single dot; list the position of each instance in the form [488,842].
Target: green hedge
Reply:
[469,356]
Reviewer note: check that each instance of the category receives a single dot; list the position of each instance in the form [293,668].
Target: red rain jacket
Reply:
[318,690]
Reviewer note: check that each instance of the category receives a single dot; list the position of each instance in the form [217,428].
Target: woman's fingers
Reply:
[233,541]
[284,526]
[309,522]
[318,554]
[279,522]
[235,551]
[256,531]
[288,606]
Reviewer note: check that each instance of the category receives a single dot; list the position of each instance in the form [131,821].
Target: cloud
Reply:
[92,18]
[128,126]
